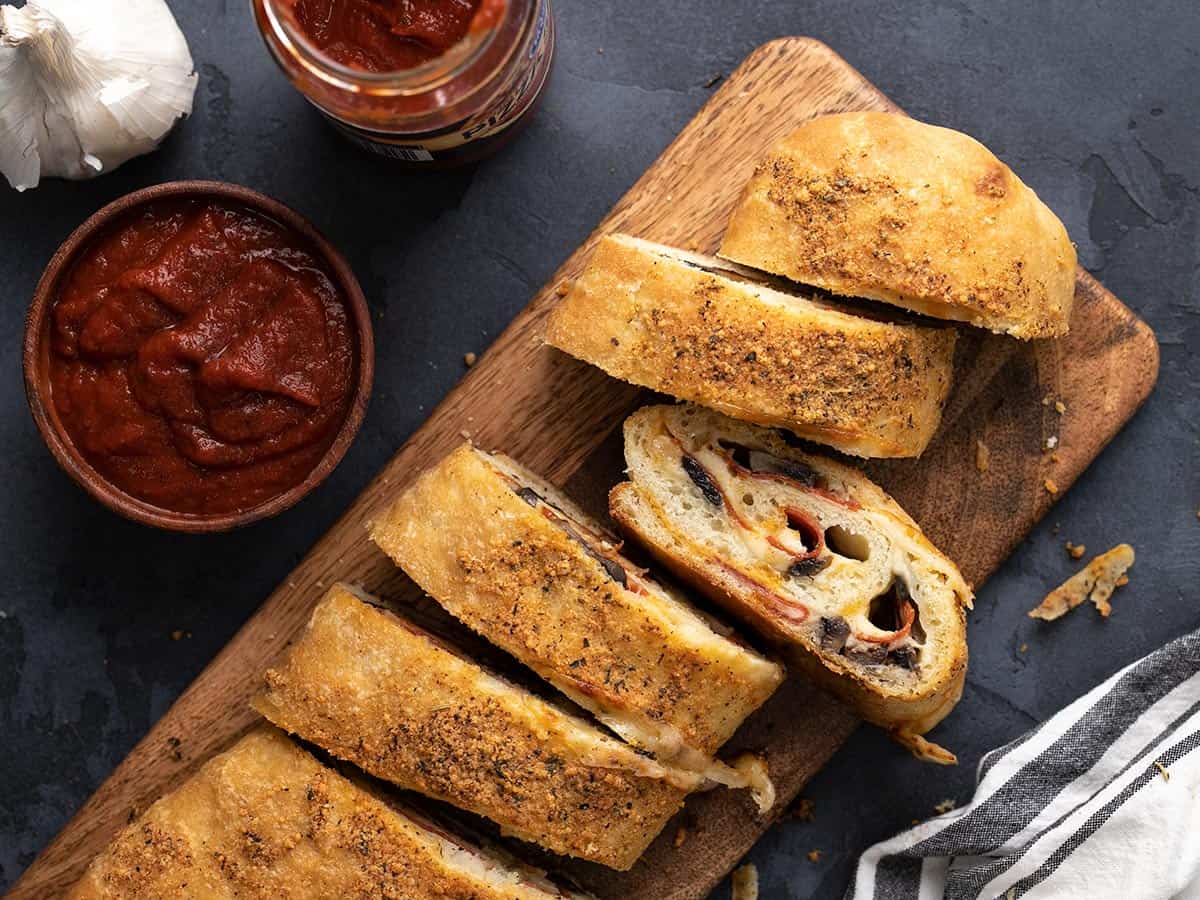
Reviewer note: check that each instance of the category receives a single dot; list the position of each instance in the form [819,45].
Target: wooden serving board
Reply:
[557,415]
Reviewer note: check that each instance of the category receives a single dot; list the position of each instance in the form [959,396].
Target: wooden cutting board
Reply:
[557,415]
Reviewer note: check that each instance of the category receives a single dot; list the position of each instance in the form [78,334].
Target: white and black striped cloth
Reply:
[1101,801]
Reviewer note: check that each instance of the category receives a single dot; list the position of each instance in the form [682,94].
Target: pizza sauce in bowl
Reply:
[199,357]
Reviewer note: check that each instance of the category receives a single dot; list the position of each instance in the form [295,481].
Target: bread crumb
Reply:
[563,289]
[803,810]
[693,245]
[1096,581]
[1023,648]
[680,836]
[945,806]
[982,456]
[176,635]
[1162,770]
[714,80]
[1047,400]
[745,882]
[1060,407]
[469,358]
[923,748]
[465,435]
[1050,443]
[1051,487]
[814,856]
[1076,551]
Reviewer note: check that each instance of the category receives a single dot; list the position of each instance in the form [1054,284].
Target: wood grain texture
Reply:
[558,416]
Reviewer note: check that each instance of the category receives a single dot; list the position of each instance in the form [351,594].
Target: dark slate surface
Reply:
[1095,107]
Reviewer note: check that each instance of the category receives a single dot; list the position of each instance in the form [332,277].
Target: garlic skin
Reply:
[87,84]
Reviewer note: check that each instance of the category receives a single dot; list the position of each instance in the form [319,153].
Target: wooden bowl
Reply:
[36,358]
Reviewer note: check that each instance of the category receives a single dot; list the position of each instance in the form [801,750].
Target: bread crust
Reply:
[648,315]
[911,707]
[370,688]
[881,206]
[266,820]
[642,661]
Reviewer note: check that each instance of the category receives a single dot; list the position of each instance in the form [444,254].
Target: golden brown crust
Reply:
[372,689]
[880,206]
[506,569]
[644,314]
[266,820]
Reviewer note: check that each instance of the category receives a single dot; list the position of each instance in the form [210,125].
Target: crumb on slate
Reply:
[1076,551]
[469,358]
[745,882]
[814,856]
[1095,581]
[945,806]
[803,810]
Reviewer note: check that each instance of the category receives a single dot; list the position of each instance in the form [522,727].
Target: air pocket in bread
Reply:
[808,551]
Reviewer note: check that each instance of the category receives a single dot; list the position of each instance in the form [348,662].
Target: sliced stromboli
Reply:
[709,331]
[810,552]
[517,561]
[878,205]
[266,820]
[371,688]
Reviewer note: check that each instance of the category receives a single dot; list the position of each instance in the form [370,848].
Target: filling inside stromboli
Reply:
[811,555]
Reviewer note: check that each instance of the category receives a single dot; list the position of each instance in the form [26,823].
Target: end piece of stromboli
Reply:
[266,819]
[881,206]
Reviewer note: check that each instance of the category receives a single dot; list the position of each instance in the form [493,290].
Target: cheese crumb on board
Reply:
[982,456]
[745,882]
[1076,551]
[1096,581]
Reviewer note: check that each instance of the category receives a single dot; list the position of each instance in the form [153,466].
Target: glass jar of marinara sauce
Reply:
[428,83]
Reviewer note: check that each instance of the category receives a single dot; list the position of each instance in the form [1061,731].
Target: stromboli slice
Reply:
[516,560]
[878,205]
[265,820]
[810,552]
[711,332]
[371,688]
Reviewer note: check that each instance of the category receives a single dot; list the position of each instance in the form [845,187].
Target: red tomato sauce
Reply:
[201,359]
[392,35]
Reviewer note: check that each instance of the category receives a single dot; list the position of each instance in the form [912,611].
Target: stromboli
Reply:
[809,552]
[371,688]
[265,820]
[712,332]
[516,560]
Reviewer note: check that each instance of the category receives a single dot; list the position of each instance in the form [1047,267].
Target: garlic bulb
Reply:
[87,84]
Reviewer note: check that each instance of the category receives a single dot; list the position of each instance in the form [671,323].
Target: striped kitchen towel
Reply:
[1101,801]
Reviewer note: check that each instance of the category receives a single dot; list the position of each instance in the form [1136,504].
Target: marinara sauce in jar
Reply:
[423,82]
